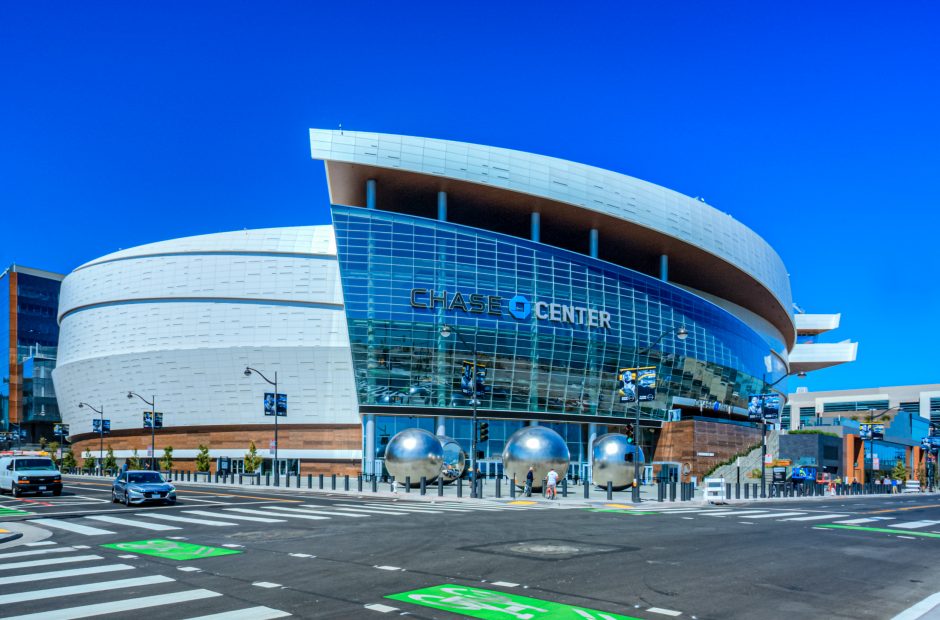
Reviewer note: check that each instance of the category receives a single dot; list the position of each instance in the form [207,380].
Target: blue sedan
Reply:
[138,487]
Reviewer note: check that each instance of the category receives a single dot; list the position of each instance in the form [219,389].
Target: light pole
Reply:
[871,442]
[100,413]
[446,331]
[153,425]
[681,333]
[763,427]
[277,469]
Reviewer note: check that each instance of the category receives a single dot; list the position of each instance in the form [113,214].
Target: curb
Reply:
[9,537]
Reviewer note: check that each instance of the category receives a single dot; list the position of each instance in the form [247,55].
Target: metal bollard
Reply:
[499,492]
[747,491]
[391,483]
[512,488]
[459,487]
[440,487]
[660,492]
[610,490]
[359,483]
[424,485]
[672,491]
[345,482]
[564,488]
[587,490]
[728,490]
[407,484]
[309,481]
[737,490]
[287,480]
[332,482]
[479,483]
[267,480]
[375,484]
[298,481]
[321,481]
[240,479]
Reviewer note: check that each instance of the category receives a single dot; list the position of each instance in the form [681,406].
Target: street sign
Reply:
[768,459]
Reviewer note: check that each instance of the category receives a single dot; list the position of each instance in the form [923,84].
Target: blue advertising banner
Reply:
[764,407]
[270,404]
[871,431]
[636,384]
[466,379]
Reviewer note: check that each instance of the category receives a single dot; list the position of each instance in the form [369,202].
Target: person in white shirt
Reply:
[552,482]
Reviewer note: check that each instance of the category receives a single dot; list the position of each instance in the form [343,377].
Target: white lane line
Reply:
[62,574]
[204,501]
[206,513]
[908,537]
[689,518]
[921,609]
[294,511]
[266,584]
[860,521]
[776,515]
[130,522]
[189,569]
[320,512]
[234,546]
[71,527]
[41,543]
[374,511]
[23,554]
[129,557]
[505,584]
[415,508]
[725,513]
[154,515]
[814,517]
[380,608]
[665,612]
[913,525]
[99,609]
[301,555]
[389,568]
[48,561]
[278,514]
[250,613]
[100,586]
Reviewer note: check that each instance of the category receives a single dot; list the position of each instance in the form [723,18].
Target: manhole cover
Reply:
[548,549]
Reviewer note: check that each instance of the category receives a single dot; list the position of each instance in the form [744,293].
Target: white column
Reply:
[441,427]
[368,457]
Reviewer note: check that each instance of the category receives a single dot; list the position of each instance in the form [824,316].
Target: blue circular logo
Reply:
[520,307]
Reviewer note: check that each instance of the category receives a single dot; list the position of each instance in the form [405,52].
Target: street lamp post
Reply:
[763,428]
[446,331]
[100,413]
[277,469]
[681,333]
[153,425]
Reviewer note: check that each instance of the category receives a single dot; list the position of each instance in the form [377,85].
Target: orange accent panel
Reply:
[16,372]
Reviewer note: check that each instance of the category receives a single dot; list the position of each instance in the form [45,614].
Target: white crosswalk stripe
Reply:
[68,526]
[913,525]
[85,588]
[48,561]
[251,613]
[776,515]
[396,507]
[63,574]
[174,518]
[310,509]
[867,520]
[263,513]
[111,607]
[378,511]
[732,513]
[206,513]
[23,554]
[814,518]
[160,527]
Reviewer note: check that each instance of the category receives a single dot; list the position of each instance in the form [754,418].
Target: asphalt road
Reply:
[321,556]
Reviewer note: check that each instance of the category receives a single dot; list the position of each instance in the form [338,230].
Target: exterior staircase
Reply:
[750,462]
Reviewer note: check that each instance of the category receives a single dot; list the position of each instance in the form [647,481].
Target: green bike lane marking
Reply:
[494,605]
[884,530]
[13,512]
[171,549]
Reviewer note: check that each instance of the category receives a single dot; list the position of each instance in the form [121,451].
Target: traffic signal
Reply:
[484,431]
[629,432]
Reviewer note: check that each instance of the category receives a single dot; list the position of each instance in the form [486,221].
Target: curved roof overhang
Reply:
[628,242]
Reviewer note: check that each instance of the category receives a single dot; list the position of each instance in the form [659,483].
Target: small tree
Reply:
[253,460]
[754,473]
[88,463]
[110,463]
[900,471]
[53,447]
[203,460]
[166,463]
[68,460]
[134,461]
[42,443]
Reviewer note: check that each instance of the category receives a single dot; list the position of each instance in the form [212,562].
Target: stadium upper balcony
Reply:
[638,225]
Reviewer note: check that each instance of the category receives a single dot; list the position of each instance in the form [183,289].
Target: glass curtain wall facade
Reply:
[535,315]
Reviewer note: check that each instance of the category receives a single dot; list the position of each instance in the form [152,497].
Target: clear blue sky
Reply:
[816,125]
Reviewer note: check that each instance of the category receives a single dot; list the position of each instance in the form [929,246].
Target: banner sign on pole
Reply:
[871,431]
[466,379]
[60,430]
[636,384]
[270,404]
[159,419]
[764,407]
[96,426]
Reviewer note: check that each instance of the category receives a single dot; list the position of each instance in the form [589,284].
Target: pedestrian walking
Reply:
[529,480]
[552,483]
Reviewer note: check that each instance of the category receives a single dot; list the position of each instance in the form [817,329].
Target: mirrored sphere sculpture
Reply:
[538,447]
[610,461]
[455,459]
[414,453]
